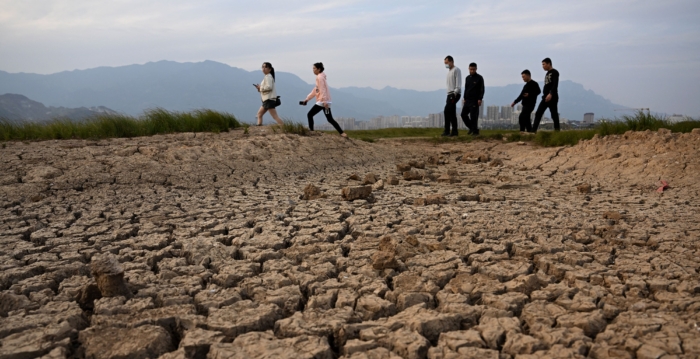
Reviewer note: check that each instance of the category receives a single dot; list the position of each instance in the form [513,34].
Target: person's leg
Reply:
[538,115]
[273,113]
[260,114]
[555,114]
[329,118]
[474,114]
[448,122]
[525,119]
[310,116]
[454,130]
[465,117]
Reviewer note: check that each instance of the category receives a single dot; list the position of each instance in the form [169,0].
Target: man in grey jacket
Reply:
[454,92]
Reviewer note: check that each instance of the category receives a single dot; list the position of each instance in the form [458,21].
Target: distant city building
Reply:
[481,110]
[436,120]
[347,124]
[588,118]
[492,113]
[506,112]
[677,118]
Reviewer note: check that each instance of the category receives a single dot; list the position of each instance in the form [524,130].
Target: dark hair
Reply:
[272,69]
[319,66]
[526,72]
[449,58]
[473,64]
[547,60]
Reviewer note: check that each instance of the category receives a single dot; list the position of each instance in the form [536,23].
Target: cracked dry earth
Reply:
[201,246]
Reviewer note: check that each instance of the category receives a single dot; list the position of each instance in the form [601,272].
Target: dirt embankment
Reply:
[193,246]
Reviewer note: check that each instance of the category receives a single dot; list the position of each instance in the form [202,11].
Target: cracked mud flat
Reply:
[194,246]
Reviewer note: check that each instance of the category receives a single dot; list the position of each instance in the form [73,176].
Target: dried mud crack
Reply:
[278,246]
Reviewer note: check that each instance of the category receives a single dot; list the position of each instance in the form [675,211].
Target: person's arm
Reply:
[458,82]
[482,90]
[555,83]
[535,89]
[266,85]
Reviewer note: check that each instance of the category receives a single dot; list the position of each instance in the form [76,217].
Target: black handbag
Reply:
[278,102]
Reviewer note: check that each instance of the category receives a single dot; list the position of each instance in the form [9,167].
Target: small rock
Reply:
[383,260]
[379,185]
[370,178]
[430,199]
[403,167]
[584,188]
[109,276]
[392,180]
[354,177]
[312,192]
[353,193]
[496,163]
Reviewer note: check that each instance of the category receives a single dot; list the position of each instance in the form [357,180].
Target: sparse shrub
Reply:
[155,121]
[295,128]
[245,128]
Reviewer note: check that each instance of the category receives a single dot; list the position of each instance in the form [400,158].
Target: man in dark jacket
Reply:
[529,97]
[473,96]
[550,96]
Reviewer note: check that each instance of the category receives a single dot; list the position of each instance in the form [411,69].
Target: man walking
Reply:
[550,96]
[473,96]
[529,97]
[454,91]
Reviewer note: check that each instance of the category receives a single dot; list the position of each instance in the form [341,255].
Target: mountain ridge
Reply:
[185,86]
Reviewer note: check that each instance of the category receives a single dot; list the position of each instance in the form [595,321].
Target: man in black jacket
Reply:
[550,96]
[529,97]
[473,95]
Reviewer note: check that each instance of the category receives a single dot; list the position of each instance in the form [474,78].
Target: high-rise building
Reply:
[492,113]
[481,110]
[347,124]
[506,112]
[588,118]
[436,120]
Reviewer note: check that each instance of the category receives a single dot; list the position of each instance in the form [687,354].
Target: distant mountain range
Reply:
[18,107]
[186,86]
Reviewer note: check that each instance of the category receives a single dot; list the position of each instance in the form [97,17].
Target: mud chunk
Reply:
[260,345]
[312,192]
[109,276]
[370,178]
[430,199]
[584,188]
[353,193]
[147,341]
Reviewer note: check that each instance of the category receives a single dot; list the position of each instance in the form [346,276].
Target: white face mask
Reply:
[447,66]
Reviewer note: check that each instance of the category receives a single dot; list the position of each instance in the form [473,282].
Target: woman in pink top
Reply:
[323,100]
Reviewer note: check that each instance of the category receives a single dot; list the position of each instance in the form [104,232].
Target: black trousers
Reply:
[329,117]
[451,114]
[470,116]
[544,105]
[524,119]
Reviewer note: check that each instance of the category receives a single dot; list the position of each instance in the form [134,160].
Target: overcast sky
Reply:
[635,53]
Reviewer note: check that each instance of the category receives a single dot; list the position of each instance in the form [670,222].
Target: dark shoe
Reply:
[476,133]
[470,132]
[445,134]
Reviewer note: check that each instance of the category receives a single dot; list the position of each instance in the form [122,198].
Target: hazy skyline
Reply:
[636,53]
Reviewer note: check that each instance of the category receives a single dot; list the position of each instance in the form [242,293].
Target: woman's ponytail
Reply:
[272,69]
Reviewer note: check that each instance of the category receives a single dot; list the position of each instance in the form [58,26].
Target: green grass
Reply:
[638,122]
[152,122]
[292,127]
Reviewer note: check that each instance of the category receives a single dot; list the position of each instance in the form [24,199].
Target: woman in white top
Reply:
[269,94]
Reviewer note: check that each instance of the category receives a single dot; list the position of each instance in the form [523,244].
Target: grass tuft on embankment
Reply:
[152,122]
[638,122]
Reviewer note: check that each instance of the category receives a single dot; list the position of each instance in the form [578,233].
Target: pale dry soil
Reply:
[201,246]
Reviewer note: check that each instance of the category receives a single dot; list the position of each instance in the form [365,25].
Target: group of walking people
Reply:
[270,100]
[474,89]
